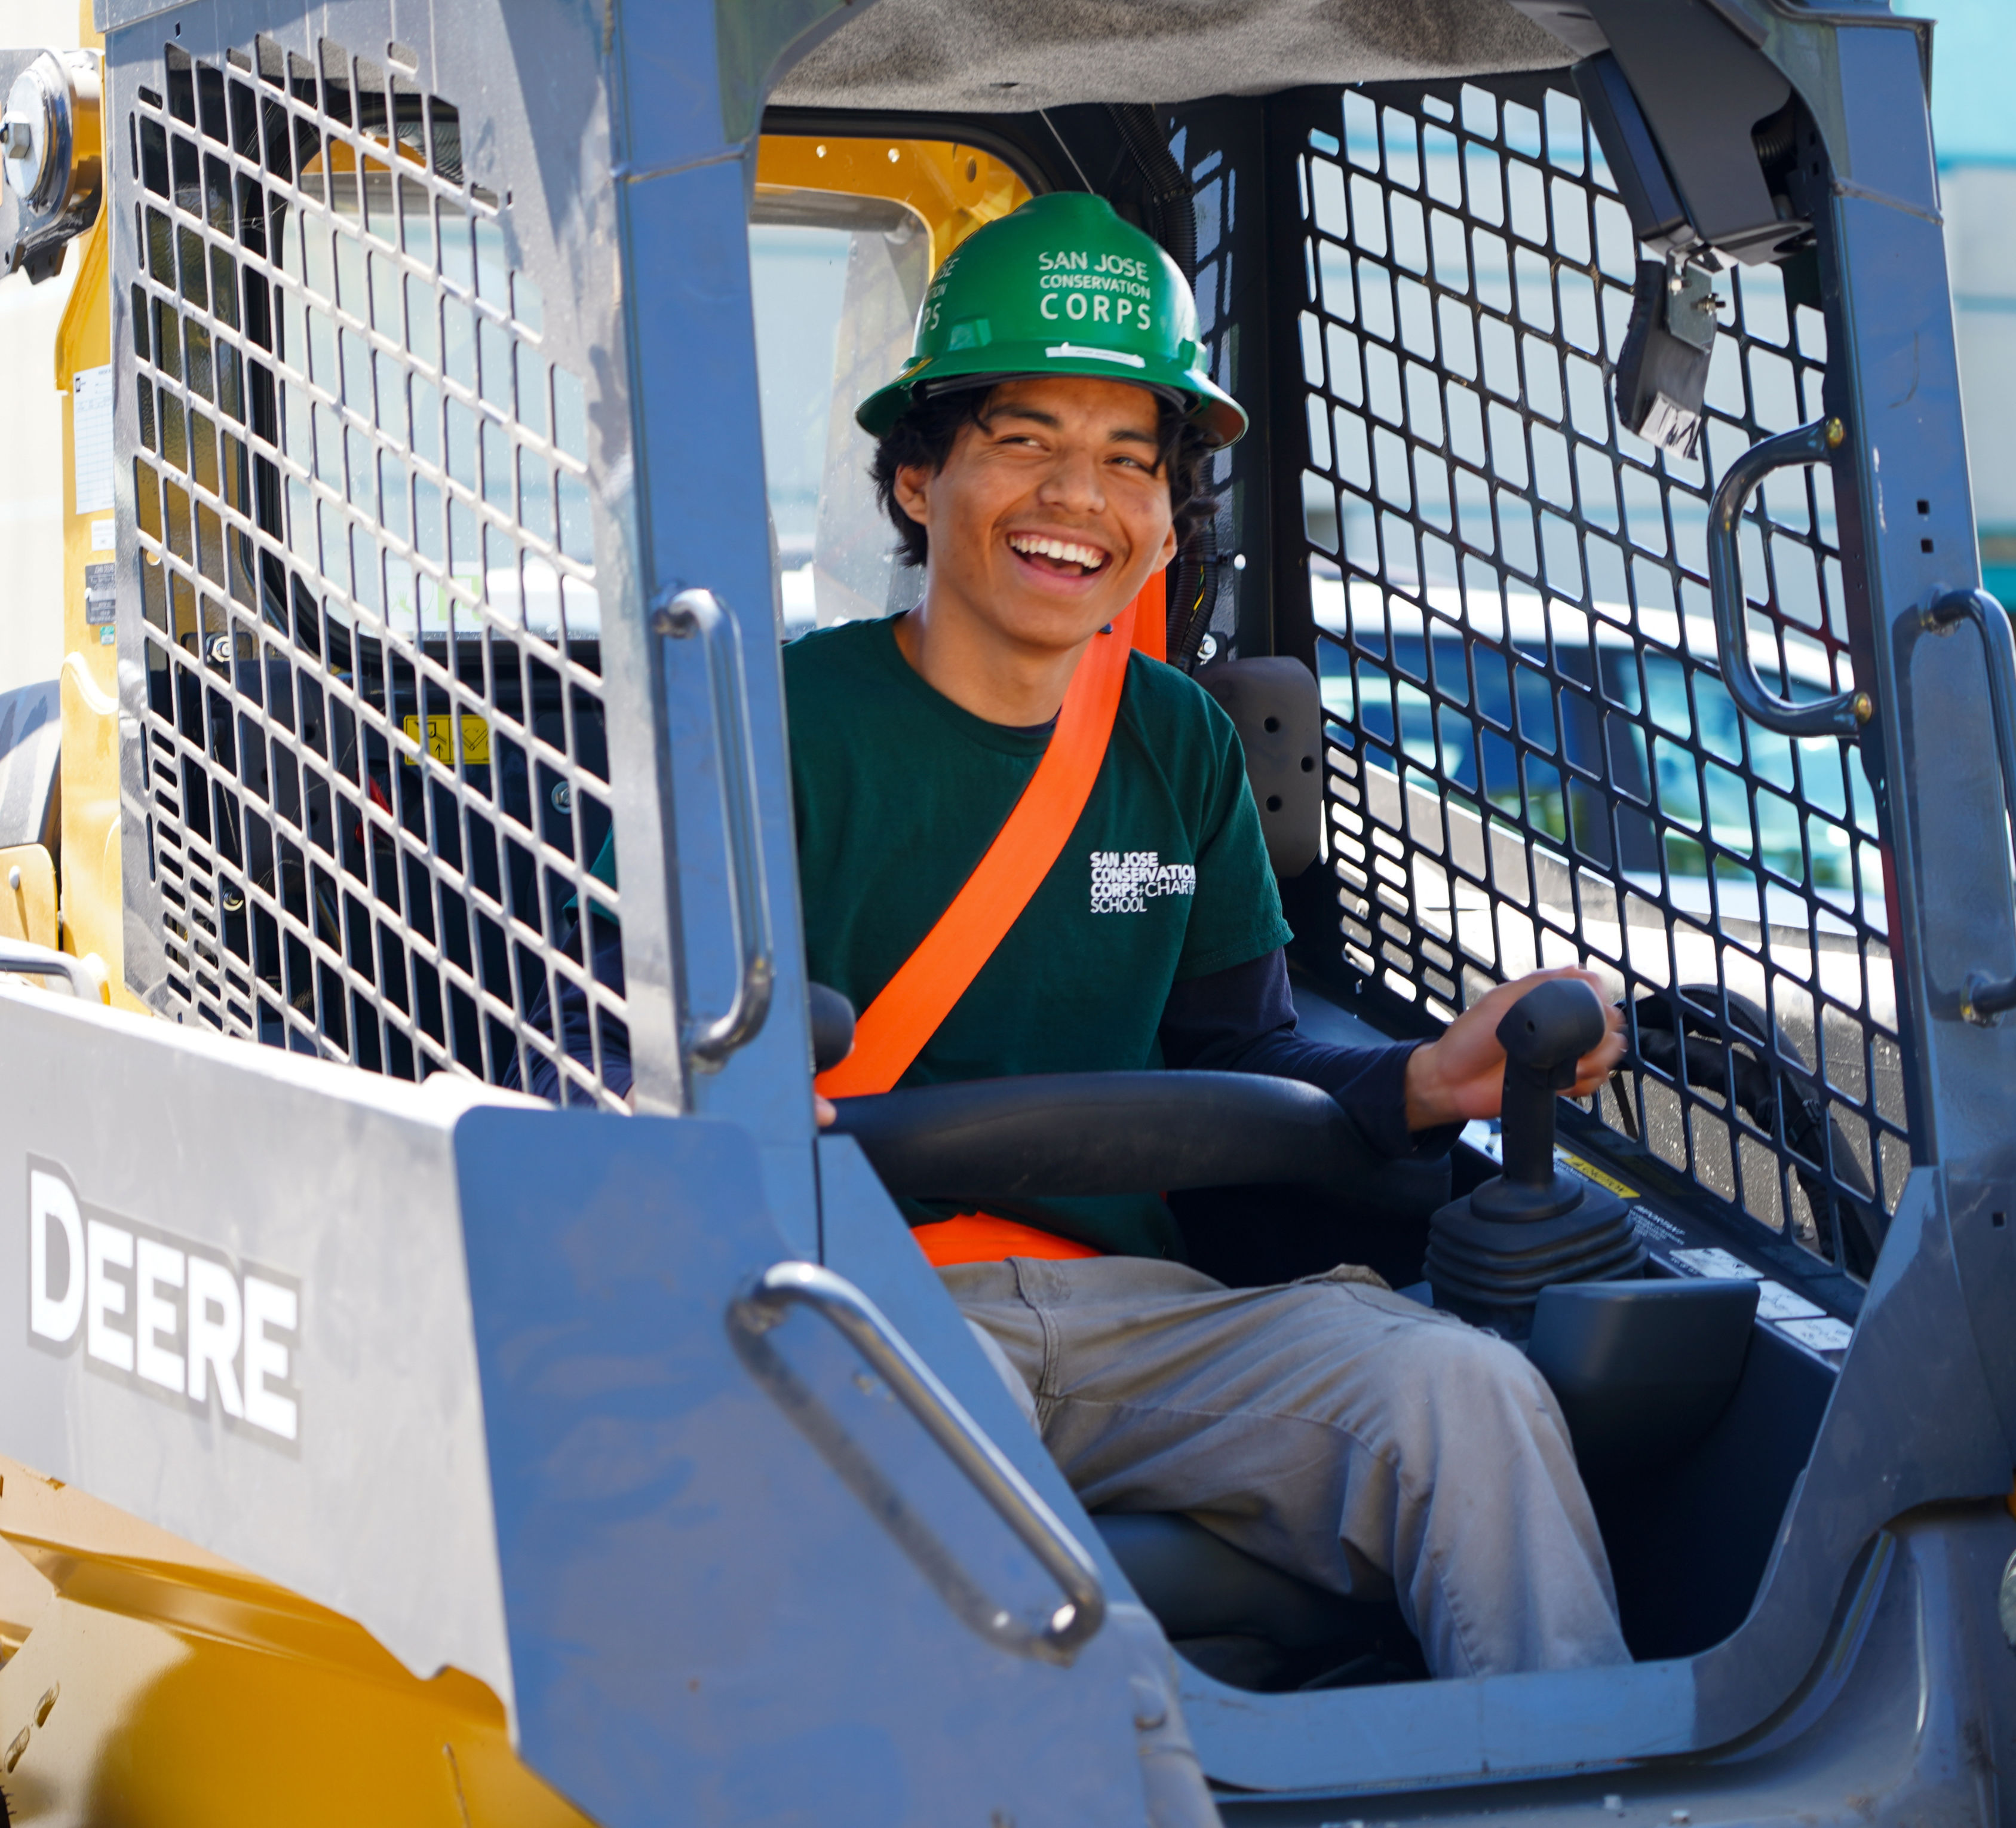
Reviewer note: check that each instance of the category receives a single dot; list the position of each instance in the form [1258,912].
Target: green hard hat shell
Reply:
[1062,286]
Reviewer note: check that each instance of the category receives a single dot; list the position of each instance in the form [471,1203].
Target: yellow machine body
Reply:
[147,1682]
[953,188]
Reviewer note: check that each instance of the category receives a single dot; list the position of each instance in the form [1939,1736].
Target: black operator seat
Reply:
[1251,1624]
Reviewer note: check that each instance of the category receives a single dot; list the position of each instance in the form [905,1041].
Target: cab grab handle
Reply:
[1845,713]
[23,959]
[784,1285]
[1986,996]
[710,1040]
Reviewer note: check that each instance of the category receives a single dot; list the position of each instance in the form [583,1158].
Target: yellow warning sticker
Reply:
[1589,1172]
[441,737]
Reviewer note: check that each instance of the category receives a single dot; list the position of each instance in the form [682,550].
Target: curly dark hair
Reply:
[924,436]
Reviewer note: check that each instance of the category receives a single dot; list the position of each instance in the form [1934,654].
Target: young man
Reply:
[1040,456]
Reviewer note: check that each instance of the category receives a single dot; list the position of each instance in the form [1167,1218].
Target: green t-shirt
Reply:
[899,793]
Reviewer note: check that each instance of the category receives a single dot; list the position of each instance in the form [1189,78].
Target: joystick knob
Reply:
[1491,1252]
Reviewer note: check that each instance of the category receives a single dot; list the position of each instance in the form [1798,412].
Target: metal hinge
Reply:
[52,156]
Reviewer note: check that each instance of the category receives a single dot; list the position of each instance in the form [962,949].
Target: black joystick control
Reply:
[1491,1252]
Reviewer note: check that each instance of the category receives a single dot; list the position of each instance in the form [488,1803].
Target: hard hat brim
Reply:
[1220,417]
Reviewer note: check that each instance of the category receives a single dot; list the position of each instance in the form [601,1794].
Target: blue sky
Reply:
[1974,71]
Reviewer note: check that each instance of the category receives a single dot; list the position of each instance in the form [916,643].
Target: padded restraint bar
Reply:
[1058,1135]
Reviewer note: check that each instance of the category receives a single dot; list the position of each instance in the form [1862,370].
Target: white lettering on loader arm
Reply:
[267,1303]
[155,1267]
[50,1202]
[162,1310]
[213,1343]
[106,1247]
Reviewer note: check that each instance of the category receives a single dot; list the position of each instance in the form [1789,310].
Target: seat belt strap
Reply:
[980,1237]
[893,1030]
[1151,616]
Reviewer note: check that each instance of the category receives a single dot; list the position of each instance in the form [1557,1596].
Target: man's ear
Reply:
[1168,549]
[913,490]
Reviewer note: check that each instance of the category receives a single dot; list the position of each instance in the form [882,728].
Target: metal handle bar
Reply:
[1013,1499]
[1985,997]
[1845,713]
[710,1041]
[28,960]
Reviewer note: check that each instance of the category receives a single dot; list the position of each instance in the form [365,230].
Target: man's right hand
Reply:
[822,1109]
[1461,1073]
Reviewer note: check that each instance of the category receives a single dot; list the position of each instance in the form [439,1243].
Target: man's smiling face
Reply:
[1048,518]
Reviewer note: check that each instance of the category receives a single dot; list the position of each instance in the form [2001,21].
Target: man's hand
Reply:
[822,1109]
[1461,1075]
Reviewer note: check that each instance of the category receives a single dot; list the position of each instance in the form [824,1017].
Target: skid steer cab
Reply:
[450,1369]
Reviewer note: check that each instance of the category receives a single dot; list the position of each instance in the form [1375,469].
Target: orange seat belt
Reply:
[1151,617]
[892,1030]
[980,1237]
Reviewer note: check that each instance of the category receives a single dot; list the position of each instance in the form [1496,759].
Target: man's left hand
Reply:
[1461,1075]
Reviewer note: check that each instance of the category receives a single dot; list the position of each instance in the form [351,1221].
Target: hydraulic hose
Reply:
[1173,200]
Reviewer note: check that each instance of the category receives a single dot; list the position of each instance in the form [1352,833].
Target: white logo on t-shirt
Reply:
[1124,882]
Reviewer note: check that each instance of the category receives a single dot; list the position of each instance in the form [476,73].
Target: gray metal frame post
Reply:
[1895,381]
[685,166]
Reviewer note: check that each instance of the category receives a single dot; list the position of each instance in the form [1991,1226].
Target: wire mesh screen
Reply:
[365,593]
[1533,759]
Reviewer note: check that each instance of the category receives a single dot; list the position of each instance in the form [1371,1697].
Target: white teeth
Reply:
[1089,557]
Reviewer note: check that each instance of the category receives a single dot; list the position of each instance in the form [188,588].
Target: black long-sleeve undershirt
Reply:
[1243,1020]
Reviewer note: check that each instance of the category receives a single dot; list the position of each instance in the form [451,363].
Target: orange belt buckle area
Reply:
[980,1237]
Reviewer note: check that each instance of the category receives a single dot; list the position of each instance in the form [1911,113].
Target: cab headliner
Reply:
[1004,56]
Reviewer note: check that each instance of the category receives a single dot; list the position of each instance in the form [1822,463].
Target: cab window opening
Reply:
[844,234]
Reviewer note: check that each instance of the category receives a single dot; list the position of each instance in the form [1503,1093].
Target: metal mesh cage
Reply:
[1532,756]
[367,677]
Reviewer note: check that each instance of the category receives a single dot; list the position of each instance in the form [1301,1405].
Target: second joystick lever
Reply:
[1490,1253]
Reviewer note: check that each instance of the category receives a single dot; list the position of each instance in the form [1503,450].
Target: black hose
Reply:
[1168,185]
[1776,139]
[1173,200]
[1193,595]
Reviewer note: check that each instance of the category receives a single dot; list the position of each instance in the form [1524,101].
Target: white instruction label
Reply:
[104,536]
[1776,1302]
[1715,1263]
[91,427]
[1821,1335]
[1653,1229]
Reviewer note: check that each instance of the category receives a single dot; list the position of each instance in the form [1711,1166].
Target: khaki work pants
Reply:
[1329,1427]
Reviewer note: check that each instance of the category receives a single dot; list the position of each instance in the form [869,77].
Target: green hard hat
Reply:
[1062,286]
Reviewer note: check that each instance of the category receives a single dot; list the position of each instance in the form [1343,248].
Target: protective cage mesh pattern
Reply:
[1532,756]
[373,728]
